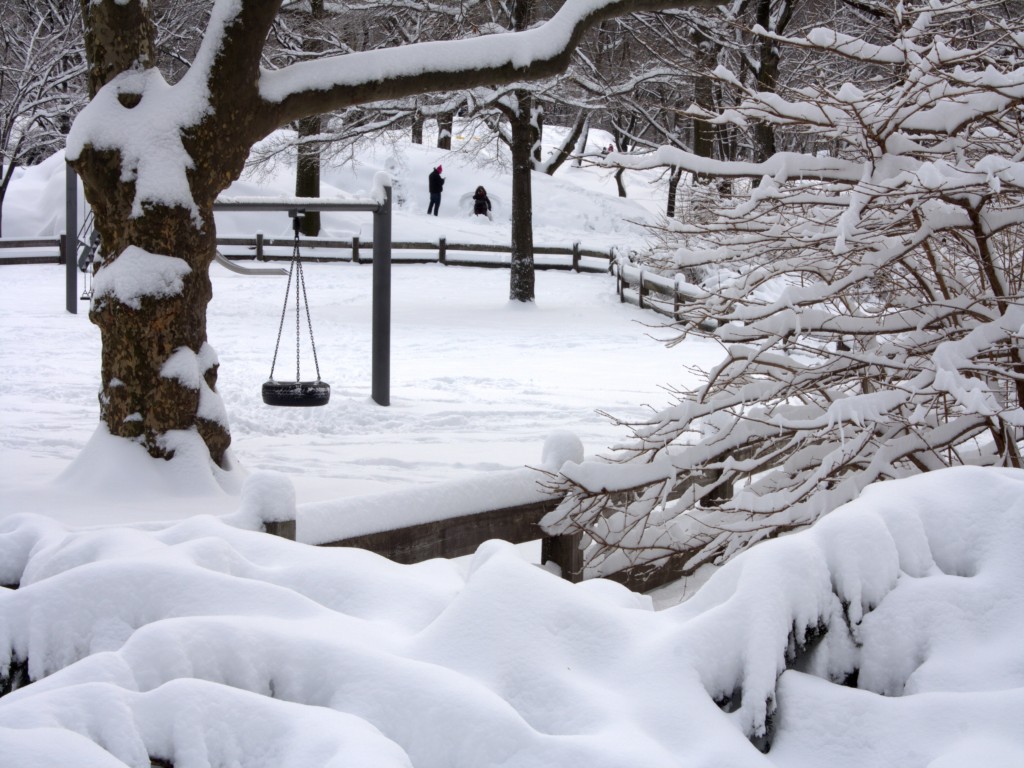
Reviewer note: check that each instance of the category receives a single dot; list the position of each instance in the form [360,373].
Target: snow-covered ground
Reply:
[161,627]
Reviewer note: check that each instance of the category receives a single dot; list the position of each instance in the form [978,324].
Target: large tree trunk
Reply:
[158,374]
[141,397]
[768,72]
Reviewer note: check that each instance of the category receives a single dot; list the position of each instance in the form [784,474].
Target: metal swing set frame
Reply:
[296,207]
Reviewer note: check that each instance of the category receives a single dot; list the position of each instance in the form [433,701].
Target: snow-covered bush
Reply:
[867,295]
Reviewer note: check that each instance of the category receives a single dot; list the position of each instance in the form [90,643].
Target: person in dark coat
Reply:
[436,184]
[481,203]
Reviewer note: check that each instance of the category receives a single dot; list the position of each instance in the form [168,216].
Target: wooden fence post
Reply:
[442,251]
[721,494]
[621,284]
[565,551]
[575,257]
[675,298]
[259,247]
[355,250]
[283,528]
[640,288]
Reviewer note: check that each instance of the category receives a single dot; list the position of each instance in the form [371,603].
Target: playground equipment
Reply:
[381,210]
[296,393]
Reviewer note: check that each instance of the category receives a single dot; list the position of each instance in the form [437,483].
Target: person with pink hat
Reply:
[436,184]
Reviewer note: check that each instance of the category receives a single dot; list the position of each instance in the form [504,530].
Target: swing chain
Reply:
[295,268]
[284,310]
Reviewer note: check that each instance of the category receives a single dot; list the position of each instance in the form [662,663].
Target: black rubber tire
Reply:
[296,394]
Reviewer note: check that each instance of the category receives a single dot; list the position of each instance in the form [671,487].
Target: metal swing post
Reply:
[381,365]
[71,239]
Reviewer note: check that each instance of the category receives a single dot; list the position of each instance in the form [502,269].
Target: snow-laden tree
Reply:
[41,68]
[867,297]
[154,155]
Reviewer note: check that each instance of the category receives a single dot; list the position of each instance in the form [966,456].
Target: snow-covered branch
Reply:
[869,295]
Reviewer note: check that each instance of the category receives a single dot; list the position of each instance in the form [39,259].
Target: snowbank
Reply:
[203,644]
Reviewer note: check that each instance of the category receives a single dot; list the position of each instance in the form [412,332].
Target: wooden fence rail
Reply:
[635,285]
[370,523]
[459,536]
[354,248]
[33,243]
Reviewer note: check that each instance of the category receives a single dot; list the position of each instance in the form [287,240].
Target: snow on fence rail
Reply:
[448,519]
[453,518]
[635,285]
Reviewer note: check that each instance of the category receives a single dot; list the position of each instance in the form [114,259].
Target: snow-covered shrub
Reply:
[867,295]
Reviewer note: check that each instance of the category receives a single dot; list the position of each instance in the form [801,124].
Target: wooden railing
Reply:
[262,248]
[31,244]
[313,249]
[636,284]
[411,525]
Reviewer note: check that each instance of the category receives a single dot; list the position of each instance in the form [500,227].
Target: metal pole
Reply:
[71,238]
[381,390]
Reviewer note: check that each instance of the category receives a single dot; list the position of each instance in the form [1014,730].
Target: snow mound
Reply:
[207,645]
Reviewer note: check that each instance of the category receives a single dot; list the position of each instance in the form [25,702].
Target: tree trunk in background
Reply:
[4,183]
[307,172]
[524,138]
[581,144]
[537,120]
[445,125]
[417,128]
[307,165]
[673,186]
[619,184]
[768,72]
[703,131]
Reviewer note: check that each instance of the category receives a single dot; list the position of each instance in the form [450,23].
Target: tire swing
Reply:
[296,393]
